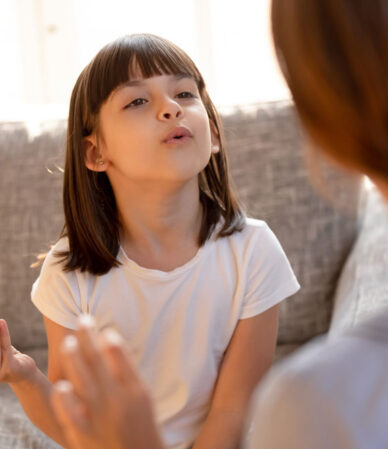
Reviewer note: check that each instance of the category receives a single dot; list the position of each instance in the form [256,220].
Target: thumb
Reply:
[5,338]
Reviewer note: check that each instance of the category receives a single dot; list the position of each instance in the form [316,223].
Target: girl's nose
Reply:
[170,110]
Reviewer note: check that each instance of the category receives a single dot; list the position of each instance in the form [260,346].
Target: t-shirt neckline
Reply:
[152,273]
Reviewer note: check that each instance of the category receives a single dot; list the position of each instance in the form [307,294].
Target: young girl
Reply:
[156,246]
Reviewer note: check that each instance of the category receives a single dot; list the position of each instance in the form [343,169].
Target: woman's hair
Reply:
[334,56]
[91,217]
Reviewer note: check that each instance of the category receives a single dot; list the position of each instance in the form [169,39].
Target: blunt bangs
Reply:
[121,60]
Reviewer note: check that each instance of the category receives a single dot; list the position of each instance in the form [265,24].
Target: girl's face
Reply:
[154,129]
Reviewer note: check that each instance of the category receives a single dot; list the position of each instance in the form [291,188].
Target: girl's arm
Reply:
[246,360]
[30,385]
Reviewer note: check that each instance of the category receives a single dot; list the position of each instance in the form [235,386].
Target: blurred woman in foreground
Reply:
[334,56]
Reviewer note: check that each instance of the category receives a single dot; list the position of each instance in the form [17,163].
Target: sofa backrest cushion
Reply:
[268,158]
[31,219]
[267,161]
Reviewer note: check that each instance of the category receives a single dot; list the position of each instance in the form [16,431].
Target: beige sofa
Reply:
[267,155]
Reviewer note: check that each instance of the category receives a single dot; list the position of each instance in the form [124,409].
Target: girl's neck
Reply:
[158,220]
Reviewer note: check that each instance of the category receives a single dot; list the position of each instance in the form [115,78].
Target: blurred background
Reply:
[44,45]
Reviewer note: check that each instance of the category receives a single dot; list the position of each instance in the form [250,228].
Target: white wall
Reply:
[44,44]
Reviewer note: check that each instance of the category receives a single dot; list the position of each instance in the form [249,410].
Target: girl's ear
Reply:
[215,141]
[93,158]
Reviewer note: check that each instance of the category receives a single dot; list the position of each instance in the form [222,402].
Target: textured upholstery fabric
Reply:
[363,288]
[31,219]
[267,153]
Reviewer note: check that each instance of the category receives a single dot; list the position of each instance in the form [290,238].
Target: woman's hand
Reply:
[14,366]
[104,405]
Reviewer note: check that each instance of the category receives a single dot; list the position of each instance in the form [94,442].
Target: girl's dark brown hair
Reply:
[91,217]
[334,56]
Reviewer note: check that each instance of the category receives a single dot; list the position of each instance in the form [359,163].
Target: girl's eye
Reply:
[137,102]
[186,94]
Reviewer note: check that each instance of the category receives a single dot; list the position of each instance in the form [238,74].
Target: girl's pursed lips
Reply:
[178,133]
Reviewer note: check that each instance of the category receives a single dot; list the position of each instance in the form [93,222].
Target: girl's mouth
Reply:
[178,140]
[178,134]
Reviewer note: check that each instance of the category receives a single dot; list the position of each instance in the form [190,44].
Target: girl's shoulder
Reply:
[53,263]
[249,226]
[253,229]
[255,225]
[62,244]
[254,239]
[54,254]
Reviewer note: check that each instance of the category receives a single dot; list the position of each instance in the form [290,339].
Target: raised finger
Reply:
[117,358]
[77,370]
[88,341]
[69,412]
[67,406]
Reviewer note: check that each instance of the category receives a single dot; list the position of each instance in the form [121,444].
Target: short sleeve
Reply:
[55,293]
[270,278]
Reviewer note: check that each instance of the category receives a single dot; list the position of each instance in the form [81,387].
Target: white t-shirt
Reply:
[333,393]
[179,323]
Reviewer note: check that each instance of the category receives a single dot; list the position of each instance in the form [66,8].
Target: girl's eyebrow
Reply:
[141,82]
